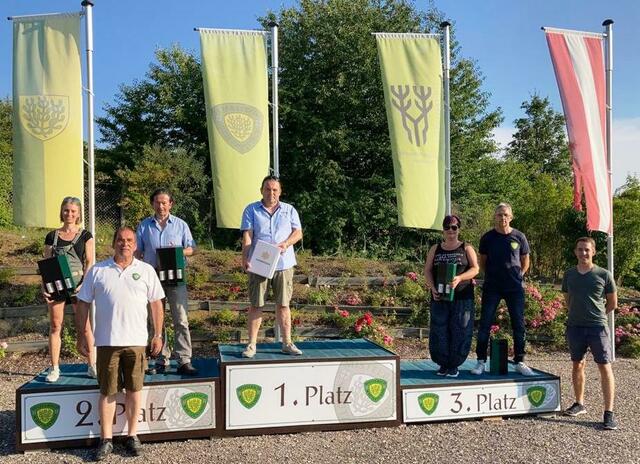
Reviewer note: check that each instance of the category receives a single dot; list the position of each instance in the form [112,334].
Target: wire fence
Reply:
[109,213]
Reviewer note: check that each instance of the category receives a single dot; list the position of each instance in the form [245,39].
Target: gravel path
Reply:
[531,440]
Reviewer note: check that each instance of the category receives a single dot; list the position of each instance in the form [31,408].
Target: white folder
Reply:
[264,259]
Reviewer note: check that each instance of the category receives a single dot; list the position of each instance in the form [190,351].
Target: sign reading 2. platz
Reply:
[310,393]
[72,415]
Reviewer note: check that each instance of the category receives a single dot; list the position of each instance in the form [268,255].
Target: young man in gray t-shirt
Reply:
[590,294]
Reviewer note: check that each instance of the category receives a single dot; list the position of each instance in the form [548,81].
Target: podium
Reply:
[427,397]
[337,384]
[65,413]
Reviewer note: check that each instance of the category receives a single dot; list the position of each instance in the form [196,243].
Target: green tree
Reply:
[626,220]
[540,141]
[175,169]
[165,108]
[334,139]
[6,163]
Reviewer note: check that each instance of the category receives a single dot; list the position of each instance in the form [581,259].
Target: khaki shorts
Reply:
[120,367]
[281,284]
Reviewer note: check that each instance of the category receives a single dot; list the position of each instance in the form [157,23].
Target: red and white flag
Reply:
[578,61]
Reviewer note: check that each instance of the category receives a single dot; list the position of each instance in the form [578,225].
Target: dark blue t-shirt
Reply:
[503,252]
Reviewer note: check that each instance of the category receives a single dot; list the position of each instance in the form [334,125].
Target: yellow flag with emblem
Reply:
[234,72]
[47,117]
[412,78]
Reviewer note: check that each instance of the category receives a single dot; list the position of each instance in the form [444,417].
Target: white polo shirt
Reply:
[121,298]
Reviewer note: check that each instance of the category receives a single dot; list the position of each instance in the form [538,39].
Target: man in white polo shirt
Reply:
[121,287]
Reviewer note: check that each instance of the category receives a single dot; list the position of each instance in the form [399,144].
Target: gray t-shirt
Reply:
[587,296]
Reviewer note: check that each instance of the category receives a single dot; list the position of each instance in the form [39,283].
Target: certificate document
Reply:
[264,259]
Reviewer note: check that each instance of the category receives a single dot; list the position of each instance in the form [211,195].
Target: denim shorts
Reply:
[596,339]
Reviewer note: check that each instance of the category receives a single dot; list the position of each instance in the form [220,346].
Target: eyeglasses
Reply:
[452,227]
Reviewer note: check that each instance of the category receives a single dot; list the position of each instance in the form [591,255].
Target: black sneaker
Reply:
[442,371]
[452,372]
[133,445]
[609,422]
[187,369]
[575,410]
[104,449]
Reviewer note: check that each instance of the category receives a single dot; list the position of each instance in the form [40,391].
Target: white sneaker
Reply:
[54,375]
[249,351]
[523,369]
[479,369]
[91,371]
[290,348]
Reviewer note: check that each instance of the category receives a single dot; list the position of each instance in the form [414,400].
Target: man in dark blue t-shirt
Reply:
[504,258]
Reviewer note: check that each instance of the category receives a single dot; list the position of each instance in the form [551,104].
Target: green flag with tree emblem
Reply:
[47,117]
[411,67]
[234,71]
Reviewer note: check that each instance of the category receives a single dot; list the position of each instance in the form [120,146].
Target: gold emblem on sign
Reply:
[44,116]
[240,125]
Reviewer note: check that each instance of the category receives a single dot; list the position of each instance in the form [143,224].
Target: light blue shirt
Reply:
[270,228]
[151,236]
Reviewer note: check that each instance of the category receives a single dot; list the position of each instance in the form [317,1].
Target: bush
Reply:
[630,347]
[320,296]
[224,317]
[410,291]
[6,276]
[358,325]
[68,347]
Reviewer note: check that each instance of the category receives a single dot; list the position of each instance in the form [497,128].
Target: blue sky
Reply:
[503,36]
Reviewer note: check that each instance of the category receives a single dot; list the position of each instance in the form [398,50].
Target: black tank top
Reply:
[464,290]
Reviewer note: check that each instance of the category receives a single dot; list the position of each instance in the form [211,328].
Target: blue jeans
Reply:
[515,303]
[450,332]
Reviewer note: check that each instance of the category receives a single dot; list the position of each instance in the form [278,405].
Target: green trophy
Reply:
[171,265]
[445,274]
[58,279]
[499,355]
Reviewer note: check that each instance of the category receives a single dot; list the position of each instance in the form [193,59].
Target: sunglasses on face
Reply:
[451,227]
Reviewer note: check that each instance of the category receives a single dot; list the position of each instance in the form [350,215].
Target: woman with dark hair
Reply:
[78,245]
[451,325]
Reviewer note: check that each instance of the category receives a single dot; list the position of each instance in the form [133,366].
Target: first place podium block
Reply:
[337,384]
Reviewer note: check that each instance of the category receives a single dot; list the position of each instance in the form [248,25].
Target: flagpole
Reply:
[447,115]
[274,98]
[88,9]
[608,25]
[277,333]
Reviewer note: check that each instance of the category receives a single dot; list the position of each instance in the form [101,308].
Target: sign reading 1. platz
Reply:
[72,415]
[310,393]
[433,403]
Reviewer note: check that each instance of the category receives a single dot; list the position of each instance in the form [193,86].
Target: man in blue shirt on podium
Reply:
[278,223]
[163,229]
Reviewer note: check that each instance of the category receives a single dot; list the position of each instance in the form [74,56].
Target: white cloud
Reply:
[626,147]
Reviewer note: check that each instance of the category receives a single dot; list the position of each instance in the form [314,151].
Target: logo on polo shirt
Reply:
[135,276]
[515,245]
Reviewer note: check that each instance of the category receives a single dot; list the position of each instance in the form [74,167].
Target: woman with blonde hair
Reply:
[78,245]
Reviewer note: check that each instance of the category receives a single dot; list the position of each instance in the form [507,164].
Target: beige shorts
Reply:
[281,284]
[120,367]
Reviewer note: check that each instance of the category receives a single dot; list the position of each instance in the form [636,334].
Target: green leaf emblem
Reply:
[249,394]
[536,395]
[194,404]
[375,389]
[135,276]
[428,402]
[239,124]
[45,414]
